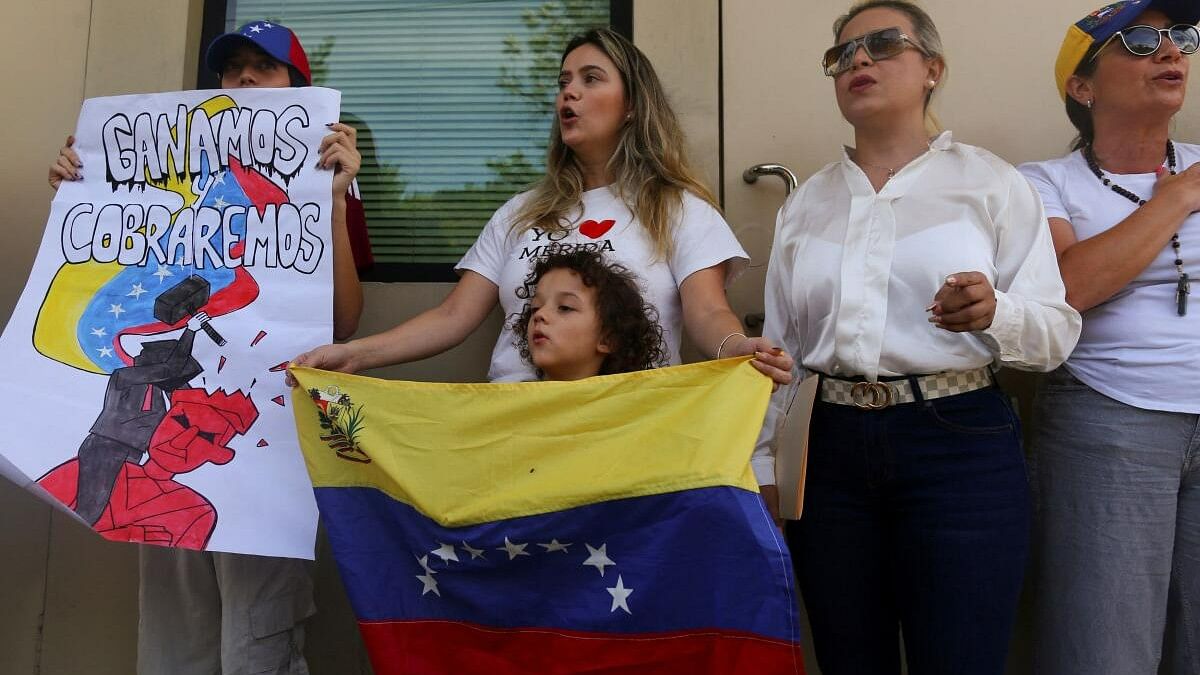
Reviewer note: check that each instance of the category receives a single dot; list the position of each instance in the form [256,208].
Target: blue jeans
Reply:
[1117,534]
[917,518]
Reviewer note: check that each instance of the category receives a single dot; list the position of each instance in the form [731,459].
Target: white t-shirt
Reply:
[1134,347]
[606,224]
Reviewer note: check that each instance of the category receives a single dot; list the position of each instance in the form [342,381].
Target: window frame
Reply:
[212,24]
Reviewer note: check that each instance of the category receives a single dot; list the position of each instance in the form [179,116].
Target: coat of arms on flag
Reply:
[608,525]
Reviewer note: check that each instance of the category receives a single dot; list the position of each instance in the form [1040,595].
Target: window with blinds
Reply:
[453,101]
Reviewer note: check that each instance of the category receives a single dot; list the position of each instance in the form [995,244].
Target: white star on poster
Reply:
[220,203]
[512,549]
[136,291]
[475,552]
[598,558]
[620,596]
[554,546]
[106,351]
[219,178]
[445,552]
[99,332]
[116,311]
[429,584]
[163,273]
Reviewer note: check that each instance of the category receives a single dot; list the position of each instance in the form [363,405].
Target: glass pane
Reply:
[453,101]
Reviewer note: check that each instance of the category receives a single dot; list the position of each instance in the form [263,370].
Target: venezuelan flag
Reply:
[608,525]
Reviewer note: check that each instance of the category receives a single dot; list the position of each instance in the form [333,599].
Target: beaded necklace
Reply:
[1183,287]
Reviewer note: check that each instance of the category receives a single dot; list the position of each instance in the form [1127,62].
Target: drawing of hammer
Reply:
[183,300]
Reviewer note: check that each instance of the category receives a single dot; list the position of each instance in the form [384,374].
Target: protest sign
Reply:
[173,284]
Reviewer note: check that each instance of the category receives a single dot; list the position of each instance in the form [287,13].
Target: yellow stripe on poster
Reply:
[464,454]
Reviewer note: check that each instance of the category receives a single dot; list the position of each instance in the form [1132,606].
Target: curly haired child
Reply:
[586,317]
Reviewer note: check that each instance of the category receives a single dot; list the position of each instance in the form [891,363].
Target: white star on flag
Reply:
[136,291]
[445,552]
[255,29]
[99,332]
[105,351]
[554,546]
[429,584]
[475,552]
[598,558]
[423,561]
[163,273]
[116,310]
[512,549]
[220,203]
[267,25]
[620,596]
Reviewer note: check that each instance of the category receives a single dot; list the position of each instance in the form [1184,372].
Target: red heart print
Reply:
[595,229]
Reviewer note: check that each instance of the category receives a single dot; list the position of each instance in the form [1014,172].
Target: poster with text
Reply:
[145,359]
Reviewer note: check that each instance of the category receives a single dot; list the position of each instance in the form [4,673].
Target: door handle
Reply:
[785,174]
[754,320]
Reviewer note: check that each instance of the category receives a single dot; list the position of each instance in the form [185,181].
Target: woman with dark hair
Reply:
[901,276]
[616,182]
[1117,454]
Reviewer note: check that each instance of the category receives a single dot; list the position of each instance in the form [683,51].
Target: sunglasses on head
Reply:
[1145,40]
[879,45]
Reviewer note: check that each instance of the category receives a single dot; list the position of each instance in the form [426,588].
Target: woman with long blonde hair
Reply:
[616,181]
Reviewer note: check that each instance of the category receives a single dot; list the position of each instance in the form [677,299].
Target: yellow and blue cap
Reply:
[1103,23]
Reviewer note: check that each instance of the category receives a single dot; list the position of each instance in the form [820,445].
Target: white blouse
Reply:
[852,272]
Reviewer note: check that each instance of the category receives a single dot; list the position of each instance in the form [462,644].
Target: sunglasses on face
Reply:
[879,45]
[1145,40]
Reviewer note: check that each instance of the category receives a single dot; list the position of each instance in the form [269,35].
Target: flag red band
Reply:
[436,647]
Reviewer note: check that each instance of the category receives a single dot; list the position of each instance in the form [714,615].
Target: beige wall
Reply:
[70,599]
[681,39]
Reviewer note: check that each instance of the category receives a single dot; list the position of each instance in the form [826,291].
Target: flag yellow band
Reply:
[464,454]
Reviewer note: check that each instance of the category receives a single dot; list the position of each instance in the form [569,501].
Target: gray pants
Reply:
[1117,535]
[209,613]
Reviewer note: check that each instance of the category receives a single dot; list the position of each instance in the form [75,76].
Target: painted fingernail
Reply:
[1160,171]
[951,280]
[930,307]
